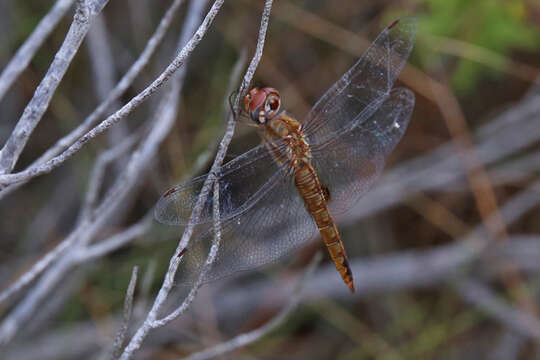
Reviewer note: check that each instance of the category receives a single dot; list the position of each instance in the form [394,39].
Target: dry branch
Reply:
[85,13]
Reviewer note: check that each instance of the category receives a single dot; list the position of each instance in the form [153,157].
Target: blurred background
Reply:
[445,249]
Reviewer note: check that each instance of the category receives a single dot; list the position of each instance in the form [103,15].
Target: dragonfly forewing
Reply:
[243,181]
[365,86]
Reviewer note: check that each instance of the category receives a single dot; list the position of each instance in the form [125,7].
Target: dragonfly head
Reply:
[262,104]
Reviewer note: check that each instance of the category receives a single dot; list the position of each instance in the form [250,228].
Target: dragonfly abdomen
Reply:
[310,189]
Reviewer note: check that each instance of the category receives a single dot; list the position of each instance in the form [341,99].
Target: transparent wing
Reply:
[350,163]
[278,222]
[273,227]
[362,89]
[352,129]
[243,181]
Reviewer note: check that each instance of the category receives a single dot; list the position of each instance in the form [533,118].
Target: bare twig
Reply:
[257,56]
[205,268]
[382,274]
[254,335]
[121,188]
[178,61]
[98,172]
[107,246]
[90,227]
[83,226]
[168,281]
[195,12]
[128,306]
[84,14]
[144,292]
[43,263]
[26,52]
[103,65]
[120,88]
[112,97]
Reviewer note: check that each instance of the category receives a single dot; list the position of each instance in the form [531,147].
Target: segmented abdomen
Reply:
[310,189]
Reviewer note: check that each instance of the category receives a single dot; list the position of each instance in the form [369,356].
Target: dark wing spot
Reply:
[393,24]
[182,252]
[169,192]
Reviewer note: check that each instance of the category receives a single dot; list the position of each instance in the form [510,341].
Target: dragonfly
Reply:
[286,191]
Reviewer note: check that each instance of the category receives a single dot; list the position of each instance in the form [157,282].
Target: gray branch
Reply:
[381,274]
[90,226]
[128,307]
[254,335]
[500,147]
[151,321]
[111,98]
[195,13]
[82,20]
[169,113]
[26,52]
[124,111]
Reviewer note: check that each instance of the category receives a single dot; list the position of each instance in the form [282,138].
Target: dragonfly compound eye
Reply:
[271,105]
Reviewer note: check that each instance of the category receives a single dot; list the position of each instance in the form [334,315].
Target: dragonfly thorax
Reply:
[286,129]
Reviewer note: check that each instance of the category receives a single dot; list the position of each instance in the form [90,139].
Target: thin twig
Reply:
[254,335]
[265,19]
[89,228]
[120,88]
[178,61]
[122,187]
[116,241]
[144,292]
[103,66]
[43,263]
[26,52]
[82,20]
[380,275]
[112,97]
[194,14]
[98,172]
[128,307]
[205,268]
[168,281]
